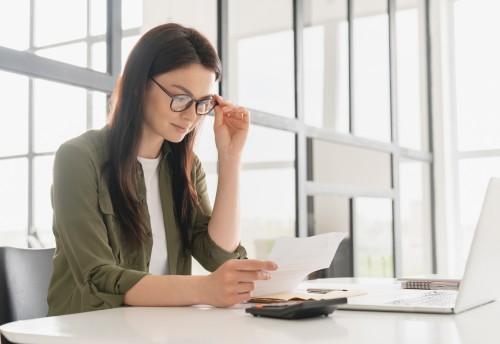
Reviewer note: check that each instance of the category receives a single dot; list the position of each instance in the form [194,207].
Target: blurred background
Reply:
[377,118]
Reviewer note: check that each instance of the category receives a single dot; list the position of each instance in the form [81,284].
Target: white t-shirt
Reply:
[159,258]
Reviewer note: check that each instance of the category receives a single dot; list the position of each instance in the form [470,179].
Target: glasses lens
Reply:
[205,106]
[181,102]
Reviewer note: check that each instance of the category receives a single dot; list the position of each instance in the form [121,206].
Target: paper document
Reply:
[297,258]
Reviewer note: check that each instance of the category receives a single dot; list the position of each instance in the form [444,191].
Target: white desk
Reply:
[212,325]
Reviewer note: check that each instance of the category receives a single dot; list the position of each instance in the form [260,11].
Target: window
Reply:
[339,138]
[368,100]
[477,109]
[326,66]
[370,76]
[265,84]
[46,104]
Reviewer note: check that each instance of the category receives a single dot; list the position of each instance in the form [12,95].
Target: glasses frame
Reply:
[193,100]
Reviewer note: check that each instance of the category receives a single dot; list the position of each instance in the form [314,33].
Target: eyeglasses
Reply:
[182,102]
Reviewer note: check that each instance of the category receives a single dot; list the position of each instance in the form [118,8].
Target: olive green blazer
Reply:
[93,266]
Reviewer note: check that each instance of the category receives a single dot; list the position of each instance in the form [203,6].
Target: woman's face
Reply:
[160,122]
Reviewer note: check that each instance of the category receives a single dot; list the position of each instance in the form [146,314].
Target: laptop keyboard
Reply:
[432,298]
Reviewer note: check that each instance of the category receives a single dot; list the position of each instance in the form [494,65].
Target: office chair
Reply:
[24,281]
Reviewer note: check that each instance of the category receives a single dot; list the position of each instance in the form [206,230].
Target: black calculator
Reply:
[296,309]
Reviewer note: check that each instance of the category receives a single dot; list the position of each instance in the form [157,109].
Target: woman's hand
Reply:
[231,127]
[232,282]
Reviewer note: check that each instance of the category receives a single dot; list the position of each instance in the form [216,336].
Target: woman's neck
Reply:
[150,148]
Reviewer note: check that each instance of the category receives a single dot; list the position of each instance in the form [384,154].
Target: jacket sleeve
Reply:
[83,233]
[204,249]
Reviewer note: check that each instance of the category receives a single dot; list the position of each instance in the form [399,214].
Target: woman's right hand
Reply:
[232,282]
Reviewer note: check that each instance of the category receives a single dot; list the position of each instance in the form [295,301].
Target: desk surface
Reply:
[216,325]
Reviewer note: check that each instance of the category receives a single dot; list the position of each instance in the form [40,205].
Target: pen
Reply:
[322,291]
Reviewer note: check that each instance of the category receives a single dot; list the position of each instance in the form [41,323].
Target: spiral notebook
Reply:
[430,282]
[478,286]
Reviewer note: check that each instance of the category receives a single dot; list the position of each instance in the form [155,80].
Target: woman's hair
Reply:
[162,49]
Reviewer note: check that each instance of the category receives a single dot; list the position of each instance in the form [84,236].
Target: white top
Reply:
[159,260]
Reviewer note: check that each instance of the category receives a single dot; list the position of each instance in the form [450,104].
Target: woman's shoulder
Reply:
[91,142]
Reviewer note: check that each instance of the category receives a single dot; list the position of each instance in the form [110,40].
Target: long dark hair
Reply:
[162,49]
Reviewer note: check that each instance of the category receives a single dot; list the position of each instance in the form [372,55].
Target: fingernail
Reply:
[267,275]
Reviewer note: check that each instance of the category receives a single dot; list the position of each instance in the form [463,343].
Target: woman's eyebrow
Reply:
[182,88]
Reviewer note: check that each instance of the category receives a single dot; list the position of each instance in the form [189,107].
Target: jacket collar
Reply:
[166,149]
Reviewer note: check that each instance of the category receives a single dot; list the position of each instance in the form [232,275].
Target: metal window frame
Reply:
[34,66]
[305,133]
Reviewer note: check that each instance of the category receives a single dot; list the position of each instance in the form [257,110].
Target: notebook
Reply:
[480,282]
[430,281]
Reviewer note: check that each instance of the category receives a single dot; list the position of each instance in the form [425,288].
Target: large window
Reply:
[477,74]
[365,114]
[338,93]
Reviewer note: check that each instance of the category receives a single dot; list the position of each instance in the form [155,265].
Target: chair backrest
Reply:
[24,281]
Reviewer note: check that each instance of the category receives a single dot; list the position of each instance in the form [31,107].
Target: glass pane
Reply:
[335,163]
[99,109]
[15,24]
[416,226]
[42,183]
[75,54]
[98,20]
[60,113]
[266,215]
[263,219]
[373,249]
[477,73]
[412,114]
[70,23]
[207,153]
[98,57]
[332,214]
[132,14]
[257,149]
[261,66]
[474,175]
[14,202]
[267,190]
[127,45]
[14,114]
[326,55]
[205,145]
[370,70]
[199,14]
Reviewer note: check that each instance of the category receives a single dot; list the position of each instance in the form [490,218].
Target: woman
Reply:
[130,200]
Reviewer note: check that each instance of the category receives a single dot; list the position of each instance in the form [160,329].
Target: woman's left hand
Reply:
[231,126]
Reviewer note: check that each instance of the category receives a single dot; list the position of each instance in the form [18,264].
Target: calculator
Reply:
[296,309]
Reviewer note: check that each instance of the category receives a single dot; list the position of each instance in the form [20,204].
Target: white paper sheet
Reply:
[297,258]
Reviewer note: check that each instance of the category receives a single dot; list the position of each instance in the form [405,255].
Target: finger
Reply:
[231,108]
[240,113]
[245,287]
[218,116]
[227,106]
[255,265]
[242,297]
[250,276]
[222,102]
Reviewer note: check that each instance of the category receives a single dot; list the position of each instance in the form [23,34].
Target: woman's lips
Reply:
[180,128]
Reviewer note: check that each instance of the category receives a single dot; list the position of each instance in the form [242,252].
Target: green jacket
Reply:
[93,267]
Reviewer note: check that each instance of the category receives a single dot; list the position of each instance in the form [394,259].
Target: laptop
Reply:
[480,282]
